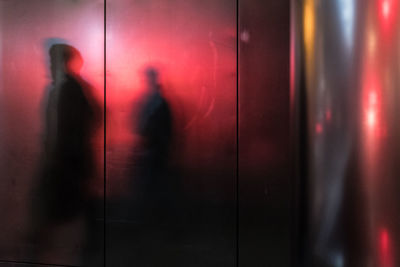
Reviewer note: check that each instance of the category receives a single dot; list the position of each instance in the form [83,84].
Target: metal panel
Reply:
[171,128]
[45,199]
[265,184]
[349,74]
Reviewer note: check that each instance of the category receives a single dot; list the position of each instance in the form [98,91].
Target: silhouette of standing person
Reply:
[67,165]
[155,128]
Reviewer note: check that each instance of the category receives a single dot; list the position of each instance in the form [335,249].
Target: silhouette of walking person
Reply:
[67,166]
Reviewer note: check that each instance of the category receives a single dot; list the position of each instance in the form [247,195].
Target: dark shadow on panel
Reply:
[155,185]
[63,194]
[265,174]
[149,220]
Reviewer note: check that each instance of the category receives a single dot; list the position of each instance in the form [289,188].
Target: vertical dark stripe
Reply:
[105,132]
[237,132]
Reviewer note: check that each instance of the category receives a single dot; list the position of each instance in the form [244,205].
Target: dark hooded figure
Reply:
[67,164]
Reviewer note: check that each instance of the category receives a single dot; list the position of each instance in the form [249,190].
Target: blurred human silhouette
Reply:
[67,161]
[155,127]
[155,122]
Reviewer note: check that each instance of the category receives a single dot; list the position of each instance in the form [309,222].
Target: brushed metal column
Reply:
[345,64]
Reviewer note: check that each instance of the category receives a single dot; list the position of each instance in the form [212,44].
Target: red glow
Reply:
[384,240]
[371,118]
[385,257]
[318,128]
[372,103]
[193,62]
[328,115]
[372,98]
[292,62]
[386,8]
[387,15]
[371,112]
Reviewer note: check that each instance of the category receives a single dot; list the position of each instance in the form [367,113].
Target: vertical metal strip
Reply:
[105,134]
[237,129]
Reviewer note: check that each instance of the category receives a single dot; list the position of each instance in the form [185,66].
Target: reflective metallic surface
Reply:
[347,55]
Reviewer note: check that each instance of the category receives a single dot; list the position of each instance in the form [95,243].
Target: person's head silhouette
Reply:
[64,59]
[152,79]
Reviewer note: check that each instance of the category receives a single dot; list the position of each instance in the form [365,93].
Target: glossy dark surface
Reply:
[348,61]
[265,178]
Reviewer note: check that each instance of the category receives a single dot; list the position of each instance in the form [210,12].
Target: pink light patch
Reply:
[386,9]
[328,115]
[371,118]
[318,128]
[373,98]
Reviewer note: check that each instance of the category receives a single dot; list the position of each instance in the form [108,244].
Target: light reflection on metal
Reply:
[351,80]
[385,257]
[372,42]
[372,104]
[318,128]
[328,115]
[386,6]
[309,32]
[292,55]
[346,10]
[387,14]
[309,23]
[371,117]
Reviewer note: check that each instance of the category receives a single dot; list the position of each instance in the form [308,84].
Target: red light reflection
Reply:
[371,118]
[372,103]
[387,14]
[328,115]
[386,5]
[385,257]
[318,128]
[371,112]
